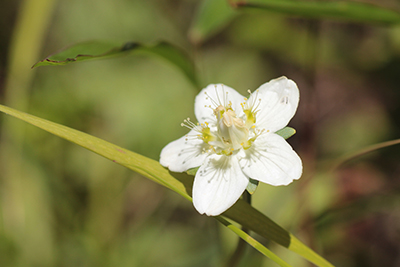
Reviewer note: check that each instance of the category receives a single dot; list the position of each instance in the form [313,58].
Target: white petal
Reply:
[279,101]
[185,153]
[218,184]
[271,160]
[215,95]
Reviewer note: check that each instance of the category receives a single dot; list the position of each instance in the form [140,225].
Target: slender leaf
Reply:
[241,212]
[101,49]
[344,10]
[254,243]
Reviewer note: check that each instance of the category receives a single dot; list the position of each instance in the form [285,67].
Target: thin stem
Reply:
[350,156]
[241,245]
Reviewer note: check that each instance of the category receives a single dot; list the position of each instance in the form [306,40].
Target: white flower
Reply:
[235,140]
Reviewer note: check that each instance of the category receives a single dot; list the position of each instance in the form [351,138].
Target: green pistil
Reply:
[206,135]
[250,117]
[246,145]
[227,152]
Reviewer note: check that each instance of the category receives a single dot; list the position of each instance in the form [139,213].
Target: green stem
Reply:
[241,245]
[350,156]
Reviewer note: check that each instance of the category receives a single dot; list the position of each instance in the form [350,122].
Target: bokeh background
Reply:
[61,205]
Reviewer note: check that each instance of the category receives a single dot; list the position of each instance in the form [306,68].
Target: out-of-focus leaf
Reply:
[252,186]
[346,212]
[212,16]
[344,10]
[286,132]
[101,49]
[241,212]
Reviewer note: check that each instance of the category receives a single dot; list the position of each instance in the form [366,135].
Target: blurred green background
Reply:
[61,205]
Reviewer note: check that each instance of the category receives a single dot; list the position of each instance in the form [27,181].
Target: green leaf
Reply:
[241,212]
[344,10]
[101,49]
[212,16]
[286,132]
[252,186]
[138,163]
[254,243]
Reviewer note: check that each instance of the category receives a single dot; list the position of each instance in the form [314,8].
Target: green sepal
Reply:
[252,186]
[286,132]
[192,171]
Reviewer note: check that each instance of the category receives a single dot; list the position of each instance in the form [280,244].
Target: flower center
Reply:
[231,129]
[230,132]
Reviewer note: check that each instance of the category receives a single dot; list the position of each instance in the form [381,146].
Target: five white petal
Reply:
[279,101]
[183,154]
[218,185]
[220,92]
[271,160]
[221,179]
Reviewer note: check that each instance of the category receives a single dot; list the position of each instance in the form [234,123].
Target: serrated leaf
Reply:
[241,212]
[286,132]
[343,10]
[92,50]
[252,186]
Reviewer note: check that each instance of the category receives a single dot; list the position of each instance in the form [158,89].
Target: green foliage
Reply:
[254,243]
[60,205]
[212,16]
[344,10]
[241,212]
[101,49]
